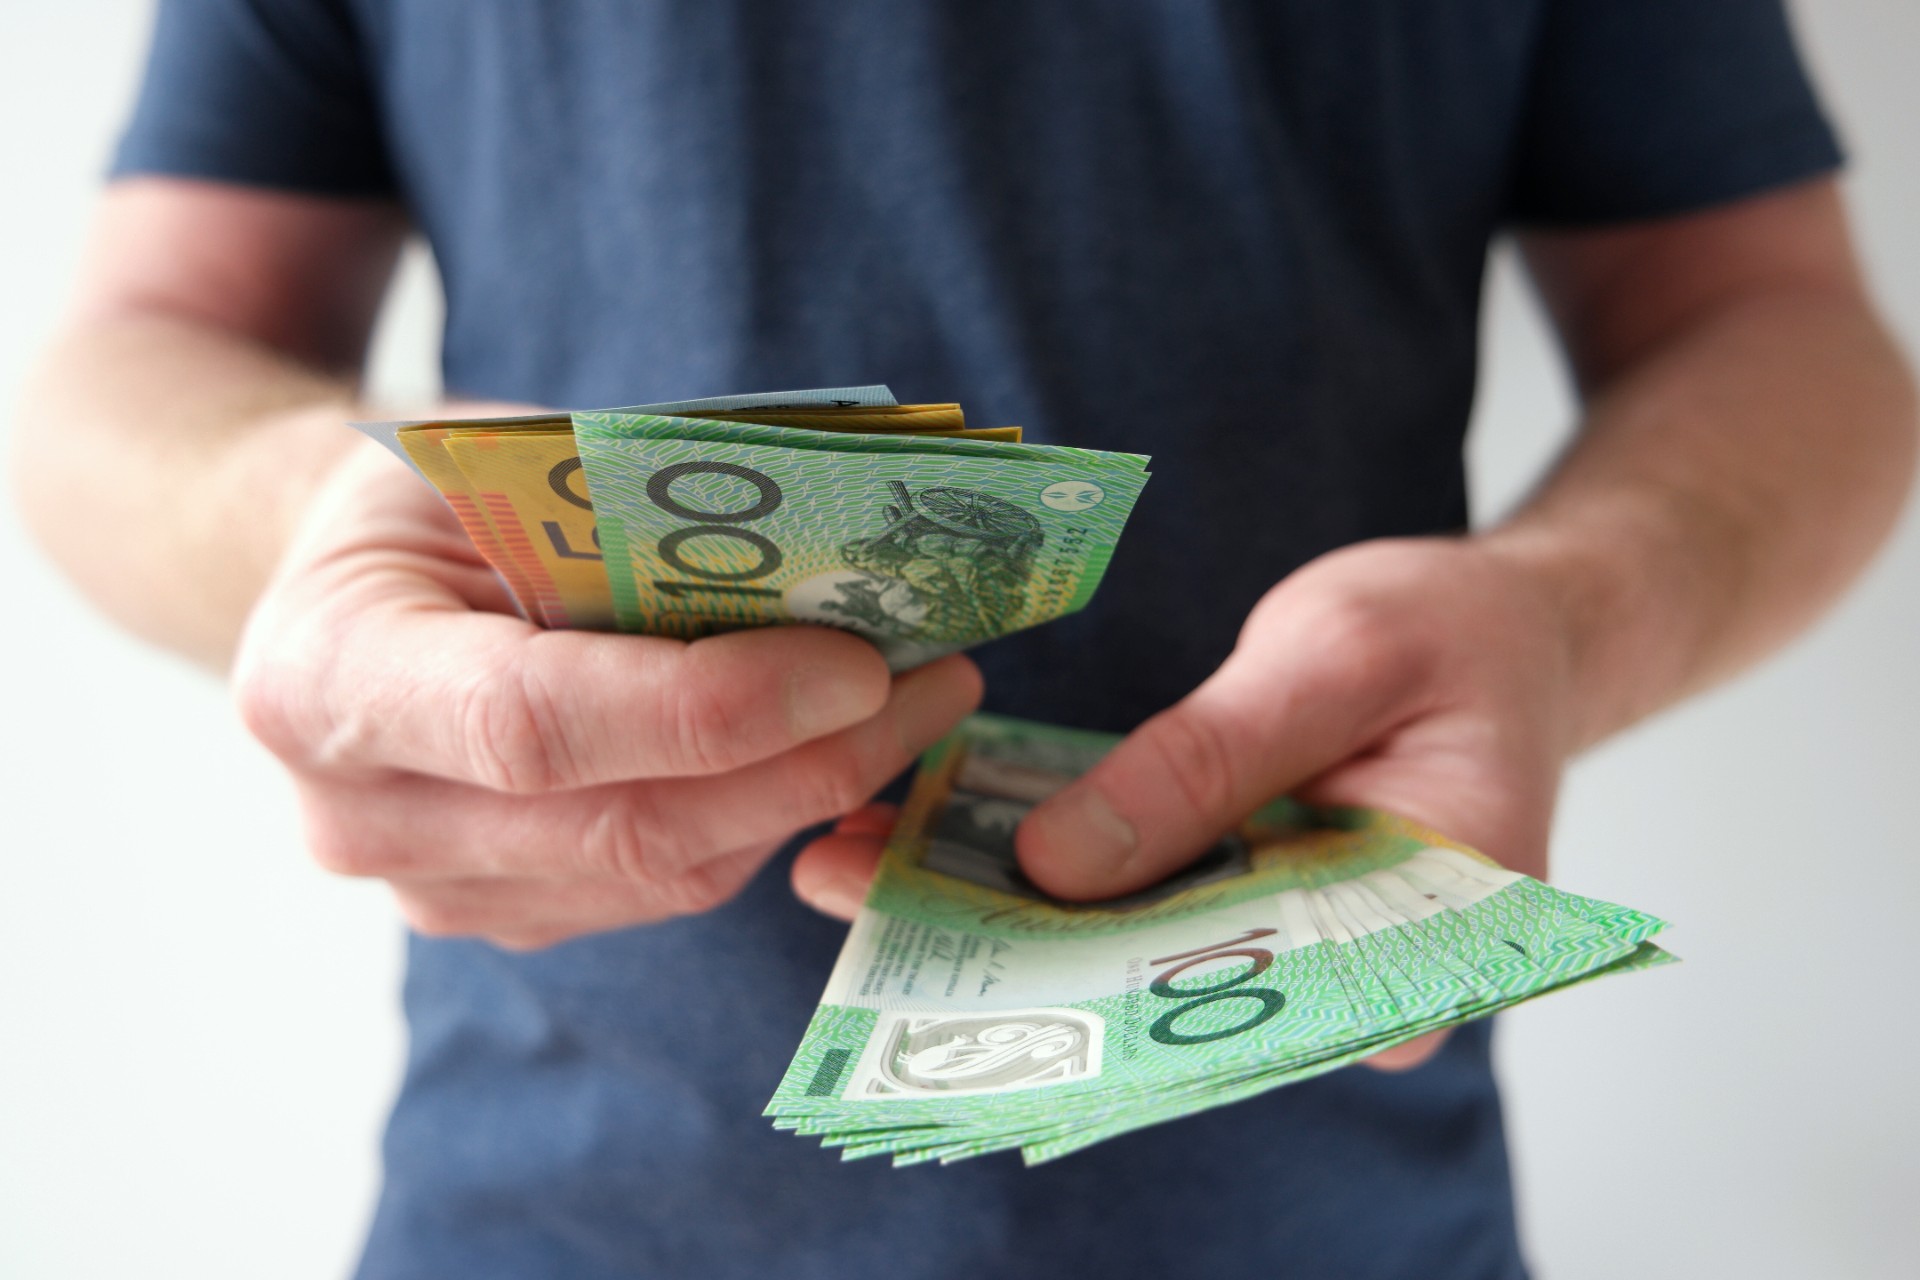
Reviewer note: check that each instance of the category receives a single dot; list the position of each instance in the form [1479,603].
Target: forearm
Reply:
[1720,493]
[163,463]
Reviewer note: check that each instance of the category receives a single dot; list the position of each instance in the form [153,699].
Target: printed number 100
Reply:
[1269,1001]
[716,524]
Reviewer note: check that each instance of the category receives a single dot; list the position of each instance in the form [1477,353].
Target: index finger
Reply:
[418,682]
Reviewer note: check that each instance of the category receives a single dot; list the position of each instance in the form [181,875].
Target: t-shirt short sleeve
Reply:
[1645,108]
[269,93]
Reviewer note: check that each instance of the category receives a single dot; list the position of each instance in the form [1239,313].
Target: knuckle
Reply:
[704,723]
[435,917]
[625,838]
[268,696]
[704,888]
[512,738]
[340,846]
[838,781]
[695,894]
[1359,642]
[292,695]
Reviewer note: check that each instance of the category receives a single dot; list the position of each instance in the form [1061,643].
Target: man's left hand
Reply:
[1431,678]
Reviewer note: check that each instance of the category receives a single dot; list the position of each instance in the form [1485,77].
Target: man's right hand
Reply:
[528,786]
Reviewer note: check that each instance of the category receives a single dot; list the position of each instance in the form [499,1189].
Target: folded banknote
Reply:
[837,506]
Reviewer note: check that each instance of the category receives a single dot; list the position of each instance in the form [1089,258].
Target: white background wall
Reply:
[198,1032]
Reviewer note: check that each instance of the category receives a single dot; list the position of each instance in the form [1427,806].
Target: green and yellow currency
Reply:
[424,446]
[925,544]
[519,483]
[969,1013]
[838,507]
[531,483]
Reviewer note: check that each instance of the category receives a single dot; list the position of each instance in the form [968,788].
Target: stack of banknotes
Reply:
[836,506]
[968,1013]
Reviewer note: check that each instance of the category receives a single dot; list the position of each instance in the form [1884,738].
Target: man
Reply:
[1244,238]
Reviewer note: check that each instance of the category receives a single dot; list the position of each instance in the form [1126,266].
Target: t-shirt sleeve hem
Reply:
[216,155]
[1759,160]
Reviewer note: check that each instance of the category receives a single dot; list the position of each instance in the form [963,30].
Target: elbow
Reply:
[1900,400]
[35,469]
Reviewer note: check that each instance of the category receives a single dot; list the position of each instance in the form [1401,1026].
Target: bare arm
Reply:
[195,398]
[1748,442]
[183,456]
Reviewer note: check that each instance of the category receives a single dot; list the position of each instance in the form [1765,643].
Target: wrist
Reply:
[1625,590]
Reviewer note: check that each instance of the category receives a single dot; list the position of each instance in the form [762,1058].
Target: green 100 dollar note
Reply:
[923,544]
[969,1013]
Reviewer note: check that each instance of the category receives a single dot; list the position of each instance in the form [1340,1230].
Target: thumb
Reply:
[1265,722]
[832,873]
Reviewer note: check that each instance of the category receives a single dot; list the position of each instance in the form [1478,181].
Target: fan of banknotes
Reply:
[836,506]
[968,1013]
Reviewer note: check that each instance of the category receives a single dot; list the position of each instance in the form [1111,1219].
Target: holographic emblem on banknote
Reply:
[943,1055]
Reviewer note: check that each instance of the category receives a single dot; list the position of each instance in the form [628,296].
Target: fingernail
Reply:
[840,896]
[1082,823]
[821,701]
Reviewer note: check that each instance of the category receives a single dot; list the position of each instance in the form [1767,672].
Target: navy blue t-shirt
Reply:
[1246,238]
